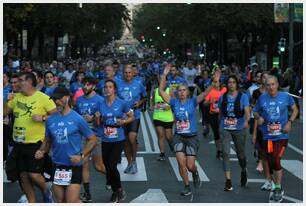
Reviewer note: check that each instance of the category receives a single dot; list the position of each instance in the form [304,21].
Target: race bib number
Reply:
[183,127]
[19,134]
[274,129]
[111,132]
[230,123]
[62,177]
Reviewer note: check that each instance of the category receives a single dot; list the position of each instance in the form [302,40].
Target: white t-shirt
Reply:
[68,75]
[189,75]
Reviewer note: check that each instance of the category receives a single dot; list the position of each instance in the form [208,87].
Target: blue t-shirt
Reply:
[75,86]
[109,116]
[185,116]
[232,122]
[6,90]
[131,93]
[48,90]
[66,134]
[101,84]
[89,106]
[172,82]
[274,111]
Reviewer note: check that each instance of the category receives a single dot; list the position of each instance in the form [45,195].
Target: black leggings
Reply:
[111,153]
[214,123]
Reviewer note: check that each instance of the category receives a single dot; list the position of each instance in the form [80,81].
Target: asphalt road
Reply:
[158,182]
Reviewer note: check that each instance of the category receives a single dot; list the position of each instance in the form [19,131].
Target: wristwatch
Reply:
[44,118]
[82,155]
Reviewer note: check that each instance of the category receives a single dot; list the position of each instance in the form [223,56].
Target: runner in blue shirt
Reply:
[109,74]
[87,105]
[134,94]
[112,115]
[234,119]
[49,83]
[75,86]
[271,112]
[173,80]
[185,141]
[64,132]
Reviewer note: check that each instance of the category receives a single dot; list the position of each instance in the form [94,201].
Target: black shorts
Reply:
[166,125]
[77,174]
[185,144]
[132,127]
[26,161]
[48,167]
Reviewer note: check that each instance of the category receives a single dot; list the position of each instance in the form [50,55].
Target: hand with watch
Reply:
[77,158]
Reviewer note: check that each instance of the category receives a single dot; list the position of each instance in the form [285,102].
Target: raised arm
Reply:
[162,85]
[201,96]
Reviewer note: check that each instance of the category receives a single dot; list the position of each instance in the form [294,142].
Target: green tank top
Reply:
[161,114]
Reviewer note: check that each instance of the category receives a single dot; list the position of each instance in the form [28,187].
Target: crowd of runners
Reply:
[58,116]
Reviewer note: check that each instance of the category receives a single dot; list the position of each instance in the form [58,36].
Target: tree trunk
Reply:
[41,44]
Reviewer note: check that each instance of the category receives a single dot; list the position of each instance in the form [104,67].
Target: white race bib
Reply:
[62,177]
[19,134]
[274,129]
[111,132]
[183,127]
[230,123]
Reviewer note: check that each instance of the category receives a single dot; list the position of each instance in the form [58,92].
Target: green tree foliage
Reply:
[188,24]
[90,26]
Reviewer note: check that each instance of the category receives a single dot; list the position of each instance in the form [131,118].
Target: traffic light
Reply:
[282,45]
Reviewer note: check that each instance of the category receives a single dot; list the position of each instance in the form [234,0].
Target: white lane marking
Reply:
[233,159]
[292,199]
[293,166]
[295,149]
[256,180]
[151,196]
[145,152]
[232,152]
[173,162]
[213,142]
[145,134]
[152,131]
[141,175]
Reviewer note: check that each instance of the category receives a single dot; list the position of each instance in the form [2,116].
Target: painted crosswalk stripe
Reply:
[173,162]
[295,167]
[145,134]
[141,175]
[295,149]
[151,196]
[292,199]
[213,142]
[232,152]
[256,180]
[152,131]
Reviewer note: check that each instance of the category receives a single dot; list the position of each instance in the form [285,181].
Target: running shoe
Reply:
[86,198]
[108,187]
[161,157]
[228,185]
[23,199]
[259,167]
[121,195]
[186,191]
[133,169]
[278,194]
[114,197]
[267,186]
[244,178]
[128,168]
[196,180]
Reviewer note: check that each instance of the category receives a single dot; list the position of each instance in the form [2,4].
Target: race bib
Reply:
[19,134]
[230,123]
[111,132]
[274,129]
[183,127]
[214,107]
[62,177]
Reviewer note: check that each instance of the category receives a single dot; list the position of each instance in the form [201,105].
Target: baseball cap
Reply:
[60,92]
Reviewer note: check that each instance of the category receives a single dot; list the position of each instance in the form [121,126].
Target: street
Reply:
[160,182]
